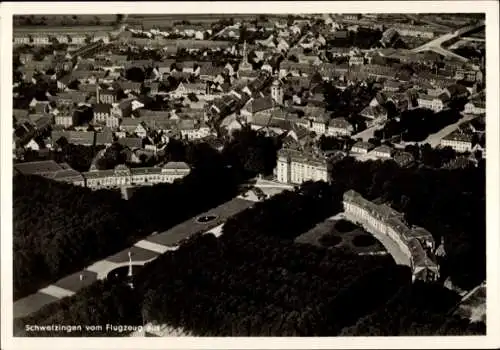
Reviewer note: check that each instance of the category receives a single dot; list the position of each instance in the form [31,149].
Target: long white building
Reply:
[415,243]
[121,175]
[296,167]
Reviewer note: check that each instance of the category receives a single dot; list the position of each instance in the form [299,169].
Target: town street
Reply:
[435,139]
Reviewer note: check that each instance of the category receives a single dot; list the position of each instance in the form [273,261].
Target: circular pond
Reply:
[120,274]
[206,218]
[330,240]
[363,240]
[344,226]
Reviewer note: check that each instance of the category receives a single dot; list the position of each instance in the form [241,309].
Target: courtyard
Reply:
[338,233]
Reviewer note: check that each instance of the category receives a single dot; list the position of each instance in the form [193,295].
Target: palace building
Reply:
[296,167]
[121,175]
[415,243]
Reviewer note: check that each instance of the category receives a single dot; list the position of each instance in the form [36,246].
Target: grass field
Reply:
[61,29]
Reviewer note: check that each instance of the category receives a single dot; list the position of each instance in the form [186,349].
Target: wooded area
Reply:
[60,228]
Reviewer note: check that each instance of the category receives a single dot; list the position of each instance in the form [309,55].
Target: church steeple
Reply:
[245,65]
[277,93]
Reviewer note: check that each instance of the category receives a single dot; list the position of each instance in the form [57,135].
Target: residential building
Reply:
[85,138]
[475,107]
[435,104]
[356,60]
[185,89]
[106,96]
[339,127]
[21,39]
[131,143]
[65,119]
[361,147]
[258,106]
[40,39]
[415,31]
[102,112]
[383,152]
[459,141]
[375,113]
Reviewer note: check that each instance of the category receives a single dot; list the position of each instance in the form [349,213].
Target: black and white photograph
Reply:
[250,174]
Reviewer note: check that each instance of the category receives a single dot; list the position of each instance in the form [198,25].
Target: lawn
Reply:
[338,233]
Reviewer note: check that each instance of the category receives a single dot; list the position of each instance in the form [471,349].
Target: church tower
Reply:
[277,92]
[245,65]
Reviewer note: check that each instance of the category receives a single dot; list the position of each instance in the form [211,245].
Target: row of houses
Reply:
[58,37]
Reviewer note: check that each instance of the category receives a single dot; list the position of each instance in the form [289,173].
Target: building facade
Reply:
[460,142]
[296,167]
[415,243]
[124,176]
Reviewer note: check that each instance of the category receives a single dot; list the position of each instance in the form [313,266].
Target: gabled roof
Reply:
[383,149]
[373,112]
[131,142]
[102,108]
[340,123]
[129,85]
[74,96]
[104,138]
[176,165]
[76,137]
[363,145]
[186,124]
[260,104]
[459,136]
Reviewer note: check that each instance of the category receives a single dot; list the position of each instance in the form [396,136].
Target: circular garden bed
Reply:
[344,226]
[330,240]
[120,274]
[364,240]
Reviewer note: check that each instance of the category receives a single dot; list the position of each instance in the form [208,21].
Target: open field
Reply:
[167,20]
[61,29]
[68,19]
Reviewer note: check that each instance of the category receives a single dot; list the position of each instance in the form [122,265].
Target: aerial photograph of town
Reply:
[249,175]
